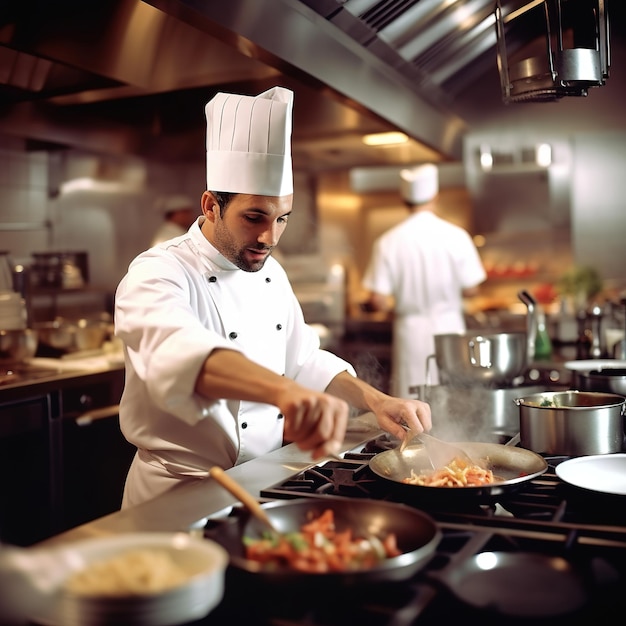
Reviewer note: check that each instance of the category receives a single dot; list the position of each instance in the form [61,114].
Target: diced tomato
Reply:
[319,548]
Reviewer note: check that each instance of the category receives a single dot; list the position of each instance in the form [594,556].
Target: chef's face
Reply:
[248,228]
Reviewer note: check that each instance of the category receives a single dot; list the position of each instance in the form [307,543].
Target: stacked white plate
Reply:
[12,311]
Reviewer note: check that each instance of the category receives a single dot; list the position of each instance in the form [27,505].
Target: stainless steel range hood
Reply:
[132,76]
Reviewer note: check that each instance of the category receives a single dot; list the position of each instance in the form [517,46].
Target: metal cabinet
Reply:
[29,497]
[95,456]
[63,458]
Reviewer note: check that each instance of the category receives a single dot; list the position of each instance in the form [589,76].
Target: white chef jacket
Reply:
[424,263]
[179,301]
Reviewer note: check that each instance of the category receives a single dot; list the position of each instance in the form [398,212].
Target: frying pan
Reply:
[512,465]
[517,584]
[416,533]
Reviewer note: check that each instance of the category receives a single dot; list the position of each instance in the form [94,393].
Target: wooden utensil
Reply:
[244,496]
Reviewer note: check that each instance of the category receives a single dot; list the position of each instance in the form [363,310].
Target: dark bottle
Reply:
[583,342]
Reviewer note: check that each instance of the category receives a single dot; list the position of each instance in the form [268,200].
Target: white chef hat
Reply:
[166,204]
[419,184]
[248,143]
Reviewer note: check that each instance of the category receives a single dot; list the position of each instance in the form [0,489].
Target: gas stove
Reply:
[543,517]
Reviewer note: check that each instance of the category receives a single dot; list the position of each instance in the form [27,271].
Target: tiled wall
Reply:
[24,217]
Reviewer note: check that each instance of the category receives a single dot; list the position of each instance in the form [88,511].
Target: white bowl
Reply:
[203,561]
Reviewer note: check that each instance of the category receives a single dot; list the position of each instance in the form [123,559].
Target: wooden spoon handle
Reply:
[241,494]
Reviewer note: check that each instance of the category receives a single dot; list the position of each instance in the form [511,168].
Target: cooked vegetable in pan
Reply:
[458,473]
[319,548]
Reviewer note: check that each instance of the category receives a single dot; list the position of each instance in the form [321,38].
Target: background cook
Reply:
[220,364]
[179,213]
[422,269]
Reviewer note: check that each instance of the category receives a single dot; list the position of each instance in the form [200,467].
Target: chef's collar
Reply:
[207,249]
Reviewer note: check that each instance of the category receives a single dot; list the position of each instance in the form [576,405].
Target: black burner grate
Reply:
[543,516]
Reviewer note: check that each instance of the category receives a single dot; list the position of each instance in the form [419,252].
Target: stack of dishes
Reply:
[12,311]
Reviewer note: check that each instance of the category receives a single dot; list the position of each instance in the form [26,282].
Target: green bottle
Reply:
[543,344]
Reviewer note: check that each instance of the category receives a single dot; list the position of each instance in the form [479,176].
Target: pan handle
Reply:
[513,441]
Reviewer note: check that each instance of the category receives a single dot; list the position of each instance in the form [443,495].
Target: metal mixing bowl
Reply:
[472,357]
[71,336]
[18,345]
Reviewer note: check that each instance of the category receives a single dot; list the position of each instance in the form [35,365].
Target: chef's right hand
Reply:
[313,421]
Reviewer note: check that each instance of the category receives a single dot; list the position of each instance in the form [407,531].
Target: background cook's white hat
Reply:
[166,204]
[419,184]
[248,143]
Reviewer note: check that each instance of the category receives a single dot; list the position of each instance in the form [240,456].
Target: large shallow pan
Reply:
[512,465]
[517,584]
[607,380]
[417,535]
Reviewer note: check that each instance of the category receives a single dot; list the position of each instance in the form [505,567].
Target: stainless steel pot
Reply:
[17,345]
[476,411]
[489,358]
[607,380]
[572,422]
[71,336]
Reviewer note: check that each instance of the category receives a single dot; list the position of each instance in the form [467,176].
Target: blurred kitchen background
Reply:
[102,114]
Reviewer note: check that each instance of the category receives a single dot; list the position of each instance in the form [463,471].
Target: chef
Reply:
[220,364]
[421,269]
[179,212]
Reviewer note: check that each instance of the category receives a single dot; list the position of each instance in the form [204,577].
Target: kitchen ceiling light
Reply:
[543,154]
[572,56]
[385,139]
[486,158]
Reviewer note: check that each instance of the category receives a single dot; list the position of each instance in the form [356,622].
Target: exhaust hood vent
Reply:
[571,57]
[133,76]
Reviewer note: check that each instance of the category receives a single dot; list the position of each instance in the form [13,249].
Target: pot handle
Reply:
[421,391]
[531,323]
[479,352]
[429,359]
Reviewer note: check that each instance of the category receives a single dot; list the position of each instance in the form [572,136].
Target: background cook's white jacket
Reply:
[424,262]
[178,302]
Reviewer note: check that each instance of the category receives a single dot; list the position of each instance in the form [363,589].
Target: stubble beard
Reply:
[236,255]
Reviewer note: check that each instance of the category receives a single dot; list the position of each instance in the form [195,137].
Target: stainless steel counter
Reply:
[41,374]
[189,506]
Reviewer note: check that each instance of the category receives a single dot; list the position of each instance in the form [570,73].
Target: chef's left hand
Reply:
[393,414]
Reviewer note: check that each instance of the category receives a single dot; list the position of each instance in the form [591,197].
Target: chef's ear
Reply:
[209,205]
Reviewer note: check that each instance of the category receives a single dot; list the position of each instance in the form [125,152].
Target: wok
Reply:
[513,465]
[416,533]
